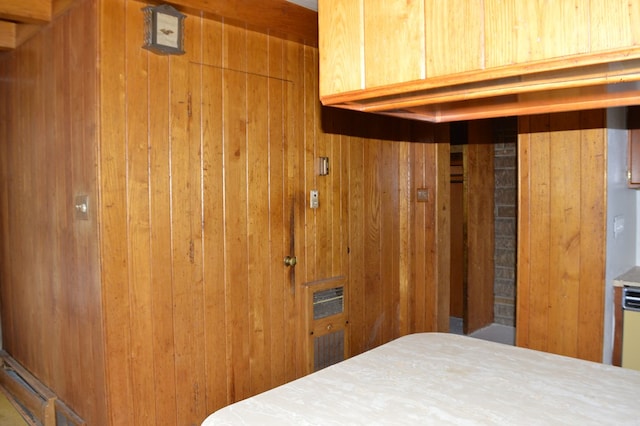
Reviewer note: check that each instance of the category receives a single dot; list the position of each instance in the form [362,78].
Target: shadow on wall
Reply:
[375,126]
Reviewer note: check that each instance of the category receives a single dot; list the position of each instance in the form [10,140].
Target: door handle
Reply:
[290,261]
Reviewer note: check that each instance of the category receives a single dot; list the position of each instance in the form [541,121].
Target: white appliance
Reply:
[631,328]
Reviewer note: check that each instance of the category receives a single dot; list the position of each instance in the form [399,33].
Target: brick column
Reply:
[506,204]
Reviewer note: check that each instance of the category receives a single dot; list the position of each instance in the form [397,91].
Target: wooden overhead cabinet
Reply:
[466,59]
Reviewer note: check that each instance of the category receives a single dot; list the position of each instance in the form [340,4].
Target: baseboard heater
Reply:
[36,402]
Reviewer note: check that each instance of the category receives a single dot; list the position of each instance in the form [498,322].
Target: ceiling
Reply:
[309,4]
[291,19]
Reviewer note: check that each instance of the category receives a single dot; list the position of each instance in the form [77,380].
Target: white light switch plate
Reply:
[618,226]
[313,199]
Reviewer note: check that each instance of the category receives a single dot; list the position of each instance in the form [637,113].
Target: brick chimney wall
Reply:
[505,212]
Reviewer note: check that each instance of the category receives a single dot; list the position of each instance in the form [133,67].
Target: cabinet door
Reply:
[340,46]
[454,36]
[394,35]
[519,31]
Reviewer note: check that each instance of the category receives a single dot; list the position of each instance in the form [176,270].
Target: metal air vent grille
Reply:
[328,349]
[631,299]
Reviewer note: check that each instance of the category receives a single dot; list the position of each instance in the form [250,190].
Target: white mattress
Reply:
[434,378]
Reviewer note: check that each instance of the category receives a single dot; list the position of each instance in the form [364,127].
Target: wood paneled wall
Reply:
[398,247]
[561,233]
[49,260]
[172,300]
[206,163]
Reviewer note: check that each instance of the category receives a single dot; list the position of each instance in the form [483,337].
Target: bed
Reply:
[437,378]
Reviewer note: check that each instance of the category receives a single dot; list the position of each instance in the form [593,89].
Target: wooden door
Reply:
[251,220]
[561,233]
[472,224]
[479,235]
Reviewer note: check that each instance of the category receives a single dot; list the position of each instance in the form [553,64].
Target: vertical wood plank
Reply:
[319,144]
[429,300]
[461,47]
[344,242]
[523,270]
[77,142]
[258,222]
[341,48]
[542,23]
[356,248]
[300,141]
[19,211]
[138,226]
[278,223]
[92,376]
[392,28]
[440,246]
[214,241]
[324,234]
[540,228]
[405,232]
[612,24]
[258,211]
[334,228]
[420,260]
[500,33]
[344,184]
[32,249]
[480,224]
[10,334]
[6,71]
[186,198]
[213,216]
[311,216]
[388,239]
[517,31]
[294,207]
[48,250]
[339,208]
[593,166]
[160,238]
[564,237]
[113,216]
[235,160]
[50,173]
[372,246]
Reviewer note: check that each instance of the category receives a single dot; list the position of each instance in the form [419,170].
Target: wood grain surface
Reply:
[561,232]
[173,300]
